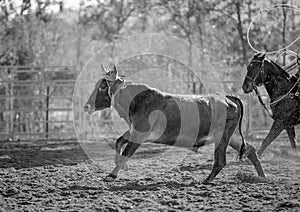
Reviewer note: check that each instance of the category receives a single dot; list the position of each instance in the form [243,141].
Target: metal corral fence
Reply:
[36,103]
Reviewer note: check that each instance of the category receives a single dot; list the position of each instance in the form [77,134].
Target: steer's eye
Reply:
[102,88]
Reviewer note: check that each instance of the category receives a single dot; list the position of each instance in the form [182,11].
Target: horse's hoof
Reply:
[110,178]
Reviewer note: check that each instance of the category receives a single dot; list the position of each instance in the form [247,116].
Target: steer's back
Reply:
[187,120]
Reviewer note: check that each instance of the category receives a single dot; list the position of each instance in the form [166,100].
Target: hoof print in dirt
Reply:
[10,192]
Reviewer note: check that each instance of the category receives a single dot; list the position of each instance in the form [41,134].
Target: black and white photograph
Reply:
[150,105]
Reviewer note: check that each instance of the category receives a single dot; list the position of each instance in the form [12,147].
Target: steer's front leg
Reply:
[119,144]
[126,154]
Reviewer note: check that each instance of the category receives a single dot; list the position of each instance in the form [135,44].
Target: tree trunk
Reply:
[283,31]
[241,33]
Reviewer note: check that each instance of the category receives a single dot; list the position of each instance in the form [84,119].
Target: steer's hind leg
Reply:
[126,154]
[292,136]
[220,150]
[250,153]
[219,160]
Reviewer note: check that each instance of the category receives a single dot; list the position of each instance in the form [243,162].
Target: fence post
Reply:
[47,110]
[11,103]
[169,74]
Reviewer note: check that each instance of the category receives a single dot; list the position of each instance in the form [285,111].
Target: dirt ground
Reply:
[58,176]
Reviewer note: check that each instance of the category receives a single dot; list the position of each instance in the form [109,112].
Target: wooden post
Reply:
[169,71]
[194,84]
[11,102]
[47,110]
[283,31]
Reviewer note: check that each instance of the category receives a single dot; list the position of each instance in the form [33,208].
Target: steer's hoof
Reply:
[295,150]
[208,183]
[110,178]
[205,182]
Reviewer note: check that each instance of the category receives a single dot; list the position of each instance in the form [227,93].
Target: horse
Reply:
[283,91]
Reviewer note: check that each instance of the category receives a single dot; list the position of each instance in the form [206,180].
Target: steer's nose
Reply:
[86,107]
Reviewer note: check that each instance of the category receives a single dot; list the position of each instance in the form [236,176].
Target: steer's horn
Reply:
[103,69]
[115,70]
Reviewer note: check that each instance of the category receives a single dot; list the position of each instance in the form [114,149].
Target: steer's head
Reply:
[104,89]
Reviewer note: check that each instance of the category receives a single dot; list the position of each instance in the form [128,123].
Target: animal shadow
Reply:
[136,186]
[194,167]
[40,153]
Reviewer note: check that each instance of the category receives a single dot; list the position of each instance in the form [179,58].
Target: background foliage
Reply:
[67,33]
[40,32]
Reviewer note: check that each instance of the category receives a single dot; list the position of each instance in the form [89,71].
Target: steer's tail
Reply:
[243,147]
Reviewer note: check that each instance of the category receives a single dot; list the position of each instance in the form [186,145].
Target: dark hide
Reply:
[154,116]
[146,100]
[286,113]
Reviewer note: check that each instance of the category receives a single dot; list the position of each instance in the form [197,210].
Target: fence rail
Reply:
[36,103]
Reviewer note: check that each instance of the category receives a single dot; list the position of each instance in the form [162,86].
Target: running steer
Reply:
[180,120]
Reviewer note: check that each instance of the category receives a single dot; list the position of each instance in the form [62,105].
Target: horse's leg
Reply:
[275,130]
[292,135]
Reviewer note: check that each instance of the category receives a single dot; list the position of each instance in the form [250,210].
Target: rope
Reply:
[274,102]
[286,52]
[262,102]
[293,64]
[278,53]
[261,12]
[284,96]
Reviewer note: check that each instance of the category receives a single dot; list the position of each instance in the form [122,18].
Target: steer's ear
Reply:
[112,74]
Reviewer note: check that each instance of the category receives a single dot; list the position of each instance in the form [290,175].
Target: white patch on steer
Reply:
[190,123]
[158,123]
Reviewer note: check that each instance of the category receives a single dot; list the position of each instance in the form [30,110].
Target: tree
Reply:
[109,16]
[186,16]
[27,38]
